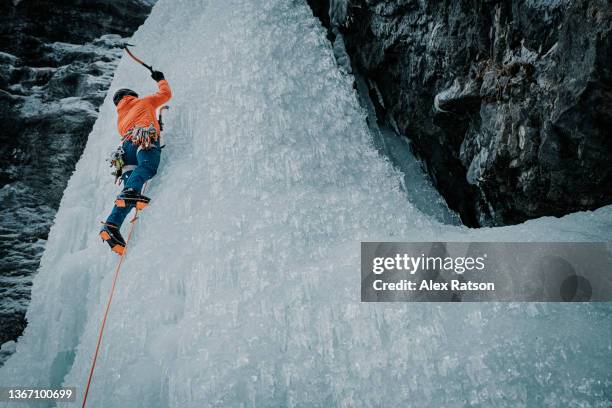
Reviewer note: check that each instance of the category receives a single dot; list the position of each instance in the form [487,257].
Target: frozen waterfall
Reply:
[241,286]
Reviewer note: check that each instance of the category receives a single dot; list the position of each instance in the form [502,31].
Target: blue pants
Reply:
[146,162]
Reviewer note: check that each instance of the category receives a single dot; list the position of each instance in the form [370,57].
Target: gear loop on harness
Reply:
[143,137]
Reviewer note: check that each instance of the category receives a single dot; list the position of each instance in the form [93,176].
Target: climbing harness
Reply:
[141,137]
[109,302]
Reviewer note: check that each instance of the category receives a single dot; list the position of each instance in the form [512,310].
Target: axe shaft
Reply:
[138,60]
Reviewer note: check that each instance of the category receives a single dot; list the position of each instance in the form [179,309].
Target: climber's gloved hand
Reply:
[157,76]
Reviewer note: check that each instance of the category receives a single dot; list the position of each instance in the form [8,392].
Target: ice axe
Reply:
[159,117]
[135,58]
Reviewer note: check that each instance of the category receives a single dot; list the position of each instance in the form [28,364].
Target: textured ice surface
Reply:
[241,287]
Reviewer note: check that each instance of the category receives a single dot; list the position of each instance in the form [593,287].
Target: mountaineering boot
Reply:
[111,235]
[131,196]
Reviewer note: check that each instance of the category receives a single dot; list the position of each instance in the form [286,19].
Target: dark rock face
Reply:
[509,103]
[57,60]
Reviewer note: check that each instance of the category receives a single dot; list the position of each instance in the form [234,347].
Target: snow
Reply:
[241,286]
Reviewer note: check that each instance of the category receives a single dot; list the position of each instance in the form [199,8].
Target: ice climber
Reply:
[138,156]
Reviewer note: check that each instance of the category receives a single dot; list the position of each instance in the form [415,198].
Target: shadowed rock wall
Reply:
[57,60]
[509,103]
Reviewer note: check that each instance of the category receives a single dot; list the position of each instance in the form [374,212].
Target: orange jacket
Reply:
[132,111]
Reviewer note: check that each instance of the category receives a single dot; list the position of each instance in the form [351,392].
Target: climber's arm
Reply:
[162,96]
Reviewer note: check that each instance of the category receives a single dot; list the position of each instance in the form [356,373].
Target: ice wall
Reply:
[241,286]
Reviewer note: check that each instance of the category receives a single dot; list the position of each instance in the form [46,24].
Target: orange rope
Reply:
[108,304]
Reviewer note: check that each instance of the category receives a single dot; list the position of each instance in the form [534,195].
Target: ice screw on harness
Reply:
[142,137]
